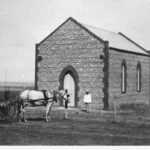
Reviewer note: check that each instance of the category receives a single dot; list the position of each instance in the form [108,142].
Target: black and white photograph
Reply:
[74,73]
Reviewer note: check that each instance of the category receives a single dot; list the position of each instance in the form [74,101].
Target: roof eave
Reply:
[127,51]
[132,42]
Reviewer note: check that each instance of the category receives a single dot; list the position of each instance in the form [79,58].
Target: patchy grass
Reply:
[135,107]
[80,129]
[133,112]
[139,110]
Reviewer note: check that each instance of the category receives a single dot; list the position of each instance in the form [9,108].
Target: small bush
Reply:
[7,95]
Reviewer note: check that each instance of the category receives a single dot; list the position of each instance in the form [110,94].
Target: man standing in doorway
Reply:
[87,100]
[67,100]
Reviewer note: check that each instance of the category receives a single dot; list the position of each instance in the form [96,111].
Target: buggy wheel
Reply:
[11,111]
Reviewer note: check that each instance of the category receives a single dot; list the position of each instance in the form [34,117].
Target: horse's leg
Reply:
[48,111]
[66,113]
[24,114]
[18,112]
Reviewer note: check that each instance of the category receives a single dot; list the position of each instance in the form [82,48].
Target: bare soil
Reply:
[94,128]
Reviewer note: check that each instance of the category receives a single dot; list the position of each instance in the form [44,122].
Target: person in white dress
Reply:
[87,100]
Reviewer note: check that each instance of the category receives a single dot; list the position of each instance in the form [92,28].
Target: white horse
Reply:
[32,98]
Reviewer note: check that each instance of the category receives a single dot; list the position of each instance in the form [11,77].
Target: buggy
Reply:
[8,110]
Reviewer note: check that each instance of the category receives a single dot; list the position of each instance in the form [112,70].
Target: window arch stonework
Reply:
[123,76]
[138,77]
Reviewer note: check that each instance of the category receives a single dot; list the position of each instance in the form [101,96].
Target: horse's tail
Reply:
[20,103]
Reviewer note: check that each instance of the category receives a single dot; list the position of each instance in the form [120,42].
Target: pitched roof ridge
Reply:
[118,34]
[99,28]
[123,35]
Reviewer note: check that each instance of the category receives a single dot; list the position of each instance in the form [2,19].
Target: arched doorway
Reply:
[69,80]
[69,84]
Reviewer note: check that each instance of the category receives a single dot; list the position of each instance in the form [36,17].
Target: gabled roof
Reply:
[116,40]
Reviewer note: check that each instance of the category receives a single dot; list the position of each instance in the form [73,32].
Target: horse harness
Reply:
[44,94]
[46,98]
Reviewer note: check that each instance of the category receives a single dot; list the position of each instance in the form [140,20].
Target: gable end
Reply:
[80,25]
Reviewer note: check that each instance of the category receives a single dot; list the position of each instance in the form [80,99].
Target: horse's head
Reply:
[58,94]
[55,94]
[50,94]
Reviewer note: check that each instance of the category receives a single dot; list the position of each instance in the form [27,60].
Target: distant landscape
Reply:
[16,86]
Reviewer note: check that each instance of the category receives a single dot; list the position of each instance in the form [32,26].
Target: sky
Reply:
[23,23]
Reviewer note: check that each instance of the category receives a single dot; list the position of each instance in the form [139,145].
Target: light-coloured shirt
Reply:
[87,98]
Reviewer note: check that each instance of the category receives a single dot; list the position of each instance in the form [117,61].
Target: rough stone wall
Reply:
[131,95]
[72,45]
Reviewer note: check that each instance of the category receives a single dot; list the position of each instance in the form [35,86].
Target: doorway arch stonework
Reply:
[70,70]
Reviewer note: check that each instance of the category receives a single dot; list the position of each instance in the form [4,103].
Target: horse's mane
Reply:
[44,93]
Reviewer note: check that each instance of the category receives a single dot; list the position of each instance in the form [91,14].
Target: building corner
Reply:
[106,76]
[36,67]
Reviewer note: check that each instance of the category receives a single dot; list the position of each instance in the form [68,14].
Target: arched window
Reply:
[123,76]
[138,77]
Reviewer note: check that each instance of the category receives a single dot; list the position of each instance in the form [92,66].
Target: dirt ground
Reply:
[80,129]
